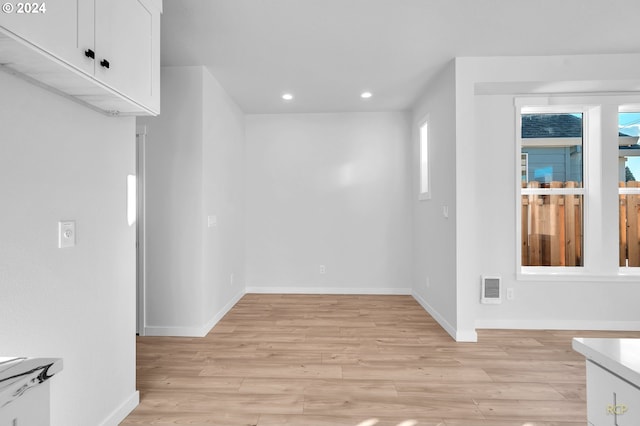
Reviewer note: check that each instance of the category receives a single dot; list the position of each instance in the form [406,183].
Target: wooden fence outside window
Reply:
[629,226]
[552,227]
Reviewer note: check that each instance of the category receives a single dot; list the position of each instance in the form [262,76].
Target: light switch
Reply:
[510,295]
[212,221]
[66,233]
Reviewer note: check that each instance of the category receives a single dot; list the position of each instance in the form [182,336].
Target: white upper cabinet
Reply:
[62,28]
[127,56]
[105,53]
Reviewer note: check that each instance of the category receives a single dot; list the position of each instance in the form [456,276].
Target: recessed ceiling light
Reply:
[287,97]
[366,95]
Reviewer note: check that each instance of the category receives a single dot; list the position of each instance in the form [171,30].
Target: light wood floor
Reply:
[357,361]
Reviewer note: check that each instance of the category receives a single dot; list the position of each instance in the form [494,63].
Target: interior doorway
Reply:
[141,134]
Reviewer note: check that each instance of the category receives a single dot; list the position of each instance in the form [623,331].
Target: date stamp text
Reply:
[24,8]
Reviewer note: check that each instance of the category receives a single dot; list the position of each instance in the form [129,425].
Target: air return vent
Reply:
[491,290]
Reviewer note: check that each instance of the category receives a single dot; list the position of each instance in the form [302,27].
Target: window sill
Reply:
[576,275]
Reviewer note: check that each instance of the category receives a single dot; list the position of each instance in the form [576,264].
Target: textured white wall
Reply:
[62,161]
[174,224]
[194,167]
[489,132]
[333,190]
[223,196]
[589,303]
[434,236]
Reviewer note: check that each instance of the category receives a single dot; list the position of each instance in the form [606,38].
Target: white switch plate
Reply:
[323,269]
[66,233]
[212,221]
[510,295]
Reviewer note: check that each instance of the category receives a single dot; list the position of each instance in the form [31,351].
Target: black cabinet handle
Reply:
[90,54]
[104,63]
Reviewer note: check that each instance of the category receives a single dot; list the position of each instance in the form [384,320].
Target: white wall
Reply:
[194,168]
[434,236]
[173,185]
[223,196]
[489,134]
[333,190]
[62,161]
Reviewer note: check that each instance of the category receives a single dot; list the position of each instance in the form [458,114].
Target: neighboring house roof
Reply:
[553,126]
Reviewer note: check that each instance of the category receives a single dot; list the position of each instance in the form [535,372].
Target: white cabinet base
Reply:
[24,390]
[31,409]
[611,401]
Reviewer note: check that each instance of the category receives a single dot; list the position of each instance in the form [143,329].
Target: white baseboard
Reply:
[505,324]
[171,331]
[198,331]
[120,413]
[222,312]
[466,336]
[458,335]
[329,290]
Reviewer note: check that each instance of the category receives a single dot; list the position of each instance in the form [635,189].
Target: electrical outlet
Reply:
[66,233]
[510,294]
[212,221]
[323,269]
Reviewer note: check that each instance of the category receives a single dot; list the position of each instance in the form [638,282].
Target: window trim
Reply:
[628,270]
[424,147]
[594,107]
[528,108]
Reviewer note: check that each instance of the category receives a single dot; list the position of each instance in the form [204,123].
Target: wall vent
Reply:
[491,290]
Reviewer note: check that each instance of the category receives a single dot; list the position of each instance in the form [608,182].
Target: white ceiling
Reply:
[326,52]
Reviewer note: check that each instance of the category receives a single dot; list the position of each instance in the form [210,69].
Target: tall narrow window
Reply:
[552,189]
[425,192]
[629,188]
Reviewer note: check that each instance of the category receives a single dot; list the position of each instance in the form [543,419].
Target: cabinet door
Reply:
[32,408]
[611,400]
[62,28]
[127,49]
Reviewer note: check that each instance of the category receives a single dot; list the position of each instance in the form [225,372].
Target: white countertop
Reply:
[6,363]
[18,374]
[620,356]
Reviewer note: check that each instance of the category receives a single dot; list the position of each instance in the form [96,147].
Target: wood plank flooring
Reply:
[324,360]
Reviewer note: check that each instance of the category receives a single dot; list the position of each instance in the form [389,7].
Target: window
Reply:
[578,172]
[552,193]
[629,188]
[425,192]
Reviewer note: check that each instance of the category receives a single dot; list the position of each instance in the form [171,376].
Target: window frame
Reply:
[424,166]
[600,183]
[532,108]
[628,270]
